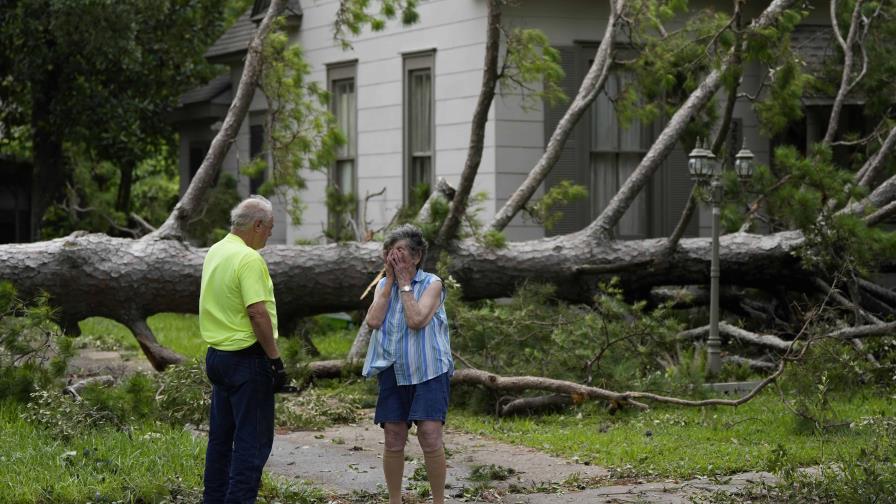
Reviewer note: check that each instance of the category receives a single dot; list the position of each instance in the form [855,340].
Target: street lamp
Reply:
[705,170]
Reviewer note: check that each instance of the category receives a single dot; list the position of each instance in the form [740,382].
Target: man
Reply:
[238,320]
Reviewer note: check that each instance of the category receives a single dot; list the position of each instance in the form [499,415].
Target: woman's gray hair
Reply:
[412,235]
[249,210]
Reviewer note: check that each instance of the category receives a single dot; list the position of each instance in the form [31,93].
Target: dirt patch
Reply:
[92,362]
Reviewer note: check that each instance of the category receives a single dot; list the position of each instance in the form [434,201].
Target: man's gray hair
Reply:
[412,235]
[249,210]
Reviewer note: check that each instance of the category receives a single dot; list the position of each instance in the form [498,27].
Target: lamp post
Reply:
[705,170]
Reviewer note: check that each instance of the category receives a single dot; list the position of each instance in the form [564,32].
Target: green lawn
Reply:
[686,442]
[177,331]
[663,442]
[180,332]
[144,464]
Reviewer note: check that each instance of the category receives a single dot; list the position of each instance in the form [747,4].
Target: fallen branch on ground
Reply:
[75,388]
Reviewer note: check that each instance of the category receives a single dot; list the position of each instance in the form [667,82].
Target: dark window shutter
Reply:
[676,188]
[573,162]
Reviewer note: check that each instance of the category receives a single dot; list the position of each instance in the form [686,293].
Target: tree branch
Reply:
[848,56]
[717,145]
[477,130]
[607,220]
[196,194]
[591,86]
[764,340]
[876,163]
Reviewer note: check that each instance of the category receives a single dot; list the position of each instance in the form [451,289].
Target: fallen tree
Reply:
[129,280]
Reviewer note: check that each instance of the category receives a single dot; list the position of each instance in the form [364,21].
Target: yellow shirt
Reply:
[234,276]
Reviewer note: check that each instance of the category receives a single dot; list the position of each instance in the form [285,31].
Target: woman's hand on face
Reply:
[387,263]
[403,267]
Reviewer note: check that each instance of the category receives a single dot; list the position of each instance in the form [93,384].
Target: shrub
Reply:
[610,343]
[65,416]
[184,394]
[33,353]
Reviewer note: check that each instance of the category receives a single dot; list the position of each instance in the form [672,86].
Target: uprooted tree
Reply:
[821,218]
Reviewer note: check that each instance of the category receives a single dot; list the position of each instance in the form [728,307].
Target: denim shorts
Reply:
[411,403]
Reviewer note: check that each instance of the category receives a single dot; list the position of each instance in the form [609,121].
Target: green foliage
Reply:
[304,134]
[668,68]
[542,210]
[849,476]
[807,193]
[91,200]
[490,472]
[354,15]
[494,239]
[314,409]
[610,344]
[156,186]
[530,58]
[98,75]
[340,207]
[183,394]
[33,352]
[64,416]
[214,221]
[131,400]
[178,396]
[783,103]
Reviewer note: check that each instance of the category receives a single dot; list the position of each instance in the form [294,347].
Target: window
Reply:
[343,173]
[615,151]
[198,150]
[418,121]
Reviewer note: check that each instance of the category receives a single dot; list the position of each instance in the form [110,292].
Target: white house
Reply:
[406,96]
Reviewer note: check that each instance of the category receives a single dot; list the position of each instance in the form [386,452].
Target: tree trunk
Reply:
[129,280]
[48,177]
[846,79]
[477,130]
[123,199]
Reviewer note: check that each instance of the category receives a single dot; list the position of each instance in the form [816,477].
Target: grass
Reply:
[147,463]
[150,462]
[683,442]
[180,332]
[334,344]
[177,331]
[663,442]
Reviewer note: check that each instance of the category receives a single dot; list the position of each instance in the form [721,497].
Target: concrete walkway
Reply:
[348,458]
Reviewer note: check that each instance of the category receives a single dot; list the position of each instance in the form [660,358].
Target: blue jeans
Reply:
[241,425]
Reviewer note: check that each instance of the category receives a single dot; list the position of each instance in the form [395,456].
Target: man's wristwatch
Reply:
[406,288]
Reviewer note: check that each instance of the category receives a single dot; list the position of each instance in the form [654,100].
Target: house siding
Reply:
[454,32]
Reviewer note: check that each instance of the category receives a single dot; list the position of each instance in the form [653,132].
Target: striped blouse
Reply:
[417,354]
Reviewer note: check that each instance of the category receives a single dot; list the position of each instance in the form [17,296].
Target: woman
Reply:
[410,353]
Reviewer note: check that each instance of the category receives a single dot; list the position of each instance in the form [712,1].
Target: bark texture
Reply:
[128,280]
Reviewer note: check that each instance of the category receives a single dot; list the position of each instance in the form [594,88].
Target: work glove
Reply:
[281,379]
